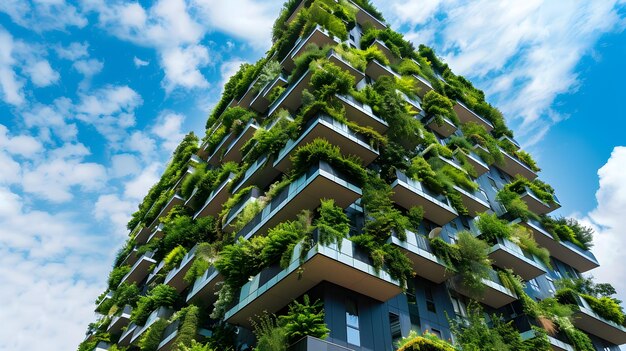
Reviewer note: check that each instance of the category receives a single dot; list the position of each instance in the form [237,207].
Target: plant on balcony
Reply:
[352,56]
[174,258]
[184,231]
[282,239]
[408,67]
[569,229]
[523,156]
[151,338]
[392,39]
[269,335]
[303,62]
[321,150]
[478,135]
[324,13]
[467,258]
[126,294]
[332,223]
[210,180]
[304,319]
[161,295]
[196,346]
[268,141]
[190,317]
[514,205]
[205,254]
[116,275]
[426,342]
[329,80]
[269,72]
[541,190]
[155,199]
[440,107]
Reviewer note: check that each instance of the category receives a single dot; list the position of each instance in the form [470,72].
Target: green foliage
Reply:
[269,335]
[174,258]
[205,253]
[477,134]
[161,295]
[304,319]
[269,141]
[126,294]
[190,182]
[426,342]
[282,238]
[196,346]
[408,67]
[392,39]
[332,224]
[189,327]
[269,72]
[186,232]
[542,190]
[440,107]
[321,150]
[328,80]
[373,53]
[383,217]
[241,260]
[606,307]
[303,62]
[370,8]
[152,337]
[569,229]
[116,275]
[353,56]
[320,13]
[514,205]
[492,228]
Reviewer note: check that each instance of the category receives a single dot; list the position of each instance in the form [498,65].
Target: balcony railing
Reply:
[119,321]
[218,196]
[506,254]
[203,288]
[326,127]
[409,193]
[586,319]
[320,36]
[513,166]
[466,115]
[139,270]
[537,205]
[362,114]
[309,343]
[273,288]
[425,263]
[476,201]
[319,182]
[555,344]
[175,278]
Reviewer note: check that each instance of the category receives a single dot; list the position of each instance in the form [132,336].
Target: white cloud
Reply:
[228,69]
[52,120]
[168,127]
[110,208]
[23,145]
[524,54]
[11,170]
[10,84]
[73,51]
[40,16]
[142,143]
[139,62]
[608,220]
[138,187]
[51,270]
[88,68]
[123,165]
[41,73]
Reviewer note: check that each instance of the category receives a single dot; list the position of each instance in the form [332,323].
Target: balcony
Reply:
[214,159]
[339,61]
[564,251]
[159,313]
[409,193]
[175,277]
[118,322]
[203,288]
[414,104]
[361,114]
[171,332]
[479,165]
[587,320]
[214,202]
[376,70]
[475,201]
[155,273]
[537,205]
[174,201]
[310,343]
[349,142]
[109,295]
[142,234]
[555,344]
[252,196]
[131,258]
[260,173]
[511,141]
[102,346]
[514,166]
[157,233]
[189,171]
[507,255]
[273,288]
[423,84]
[495,295]
[127,335]
[233,153]
[466,115]
[320,36]
[291,99]
[393,59]
[321,181]
[363,17]
[446,129]
[425,263]
[139,270]
[261,102]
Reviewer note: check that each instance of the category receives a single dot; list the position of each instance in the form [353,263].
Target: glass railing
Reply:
[208,275]
[291,191]
[188,257]
[367,109]
[420,189]
[309,343]
[235,210]
[250,123]
[260,162]
[474,114]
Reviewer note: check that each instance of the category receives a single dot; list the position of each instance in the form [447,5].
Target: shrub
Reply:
[269,335]
[174,258]
[269,72]
[328,80]
[304,319]
[160,296]
[189,326]
[152,338]
[116,275]
[440,107]
[492,228]
[606,307]
[333,224]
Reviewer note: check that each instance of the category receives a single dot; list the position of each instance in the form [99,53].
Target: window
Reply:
[352,323]
[430,300]
[551,284]
[459,307]
[465,223]
[436,332]
[394,325]
[534,284]
[493,183]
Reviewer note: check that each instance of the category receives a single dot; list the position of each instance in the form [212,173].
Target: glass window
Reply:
[394,325]
[534,284]
[551,284]
[436,332]
[459,307]
[352,323]
[430,300]
[493,183]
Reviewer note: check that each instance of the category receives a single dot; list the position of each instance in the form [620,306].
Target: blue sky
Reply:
[94,96]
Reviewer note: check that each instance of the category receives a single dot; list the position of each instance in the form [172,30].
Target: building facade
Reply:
[351,168]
